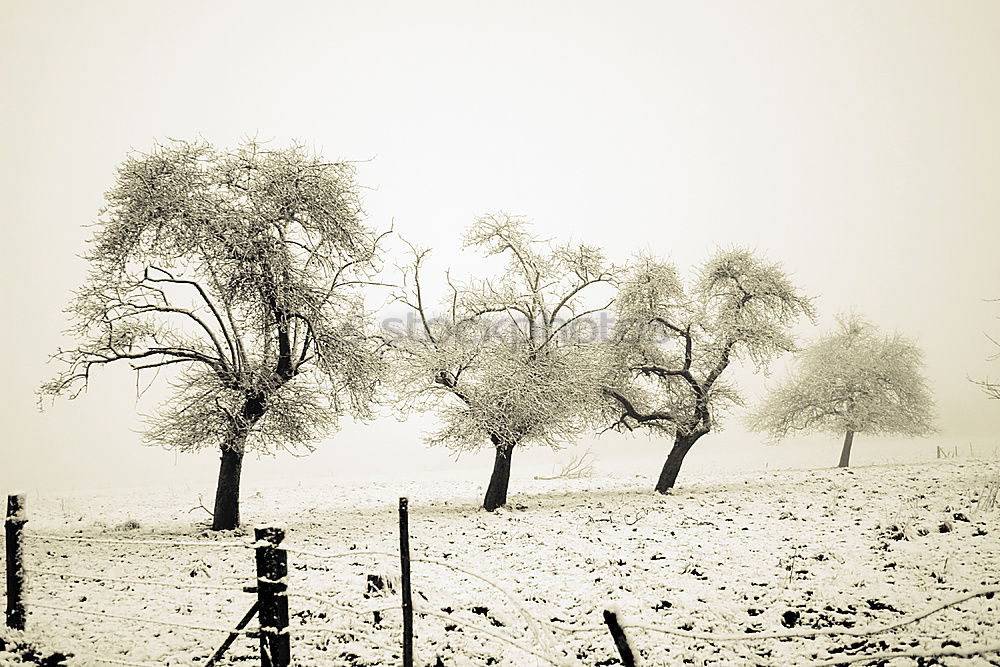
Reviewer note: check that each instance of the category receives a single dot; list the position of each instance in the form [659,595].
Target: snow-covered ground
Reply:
[737,553]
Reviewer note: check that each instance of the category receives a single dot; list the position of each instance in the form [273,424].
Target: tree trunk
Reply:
[227,493]
[845,453]
[672,466]
[496,492]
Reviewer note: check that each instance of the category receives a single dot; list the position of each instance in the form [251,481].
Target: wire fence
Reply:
[273,629]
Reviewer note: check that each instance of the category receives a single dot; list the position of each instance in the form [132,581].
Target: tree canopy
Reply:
[853,380]
[671,345]
[239,269]
[507,361]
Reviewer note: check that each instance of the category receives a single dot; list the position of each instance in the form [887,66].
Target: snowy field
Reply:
[753,552]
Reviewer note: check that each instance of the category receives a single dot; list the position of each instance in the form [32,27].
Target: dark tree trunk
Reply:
[496,492]
[672,466]
[227,493]
[845,453]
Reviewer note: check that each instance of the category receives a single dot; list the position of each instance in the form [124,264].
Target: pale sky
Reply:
[855,142]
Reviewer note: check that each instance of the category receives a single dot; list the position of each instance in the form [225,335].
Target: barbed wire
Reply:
[329,601]
[332,629]
[136,619]
[332,554]
[486,631]
[395,607]
[790,634]
[542,640]
[114,661]
[529,619]
[133,582]
[857,632]
[533,622]
[156,543]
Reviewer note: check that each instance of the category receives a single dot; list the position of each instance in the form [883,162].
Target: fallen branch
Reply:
[577,467]
[201,505]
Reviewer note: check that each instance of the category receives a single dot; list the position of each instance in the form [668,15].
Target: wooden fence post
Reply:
[404,568]
[13,526]
[233,636]
[272,596]
[621,641]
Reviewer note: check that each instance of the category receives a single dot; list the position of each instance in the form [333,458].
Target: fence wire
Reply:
[790,634]
[141,620]
[530,620]
[534,624]
[133,582]
[114,661]
[152,543]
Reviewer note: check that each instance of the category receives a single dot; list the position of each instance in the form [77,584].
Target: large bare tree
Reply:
[671,346]
[854,380]
[509,361]
[237,273]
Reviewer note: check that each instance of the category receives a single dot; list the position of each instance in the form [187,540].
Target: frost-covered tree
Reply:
[240,270]
[854,380]
[671,346]
[509,361]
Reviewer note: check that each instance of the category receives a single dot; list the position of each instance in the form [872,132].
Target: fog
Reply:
[855,143]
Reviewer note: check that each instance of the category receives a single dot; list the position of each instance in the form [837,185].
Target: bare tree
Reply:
[507,362]
[241,271]
[991,387]
[854,380]
[671,346]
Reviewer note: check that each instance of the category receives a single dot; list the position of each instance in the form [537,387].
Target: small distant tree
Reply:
[240,270]
[510,361]
[671,346]
[854,380]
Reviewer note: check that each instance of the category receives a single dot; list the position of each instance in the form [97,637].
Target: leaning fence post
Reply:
[16,518]
[272,596]
[404,568]
[621,641]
